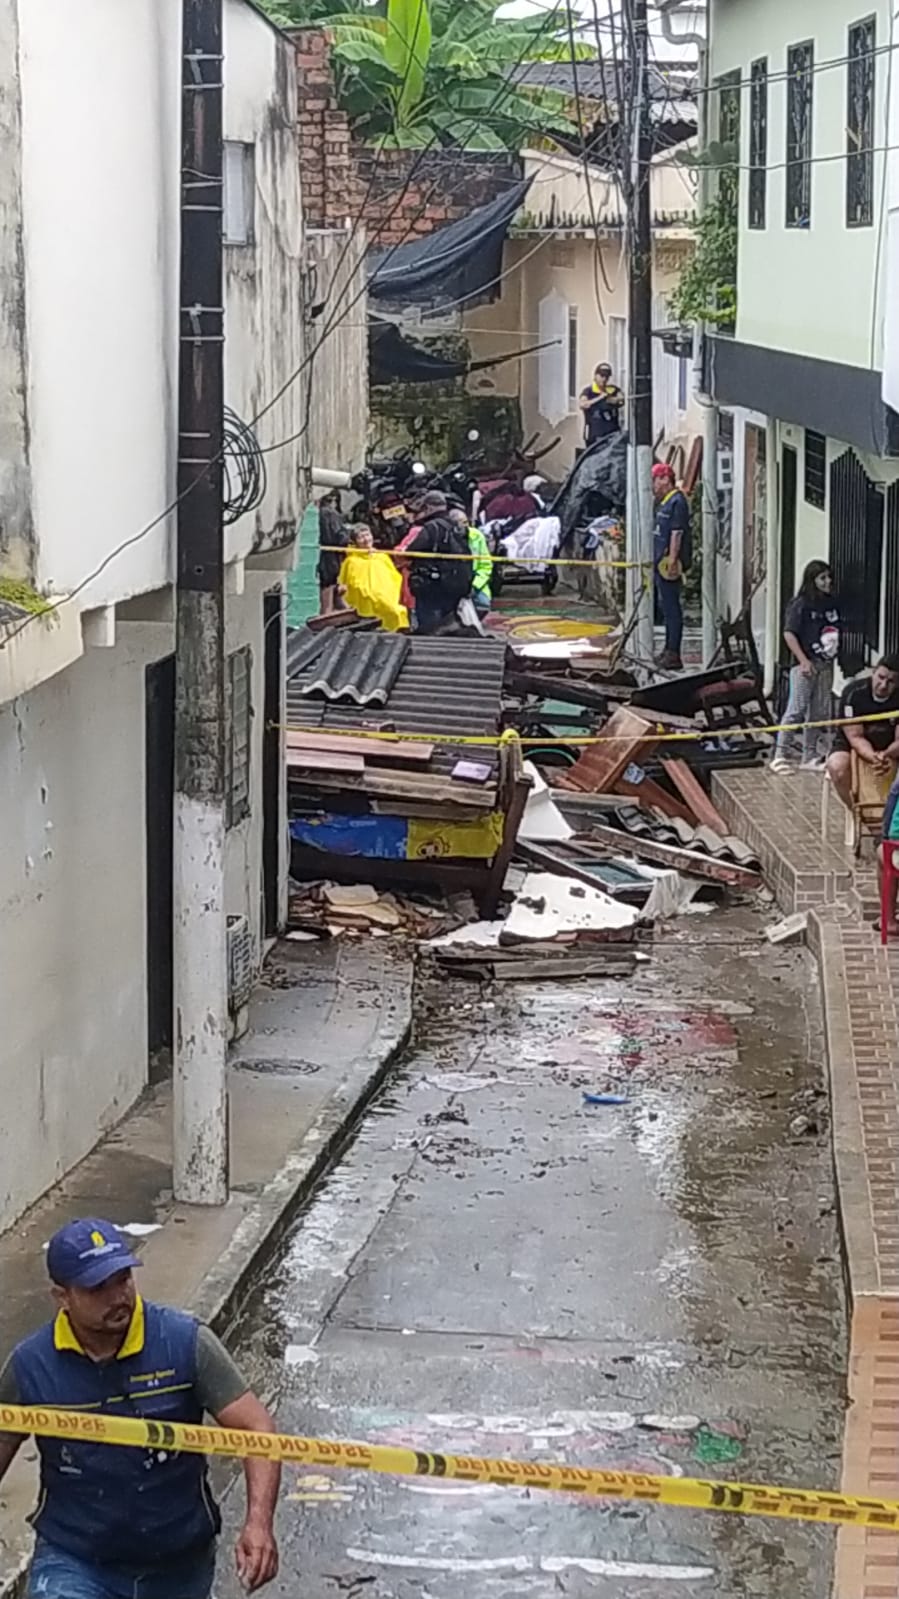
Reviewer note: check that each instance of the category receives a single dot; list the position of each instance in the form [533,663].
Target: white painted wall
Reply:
[264,336]
[100,92]
[812,527]
[73,1050]
[564,272]
[99,172]
[807,290]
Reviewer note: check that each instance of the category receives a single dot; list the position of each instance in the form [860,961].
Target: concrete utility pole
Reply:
[201,987]
[640,515]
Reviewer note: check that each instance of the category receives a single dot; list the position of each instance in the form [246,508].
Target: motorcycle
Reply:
[385,489]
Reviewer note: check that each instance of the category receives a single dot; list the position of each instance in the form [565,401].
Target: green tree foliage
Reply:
[412,73]
[707,290]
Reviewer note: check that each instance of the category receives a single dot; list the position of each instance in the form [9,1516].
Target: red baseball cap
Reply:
[662,470]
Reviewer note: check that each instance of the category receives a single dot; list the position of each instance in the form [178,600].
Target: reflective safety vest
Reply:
[482,565]
[114,1505]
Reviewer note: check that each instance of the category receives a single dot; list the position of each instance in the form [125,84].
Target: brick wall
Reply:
[328,170]
[406,193]
[413,193]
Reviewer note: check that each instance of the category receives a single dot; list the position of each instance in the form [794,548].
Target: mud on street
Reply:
[498,1267]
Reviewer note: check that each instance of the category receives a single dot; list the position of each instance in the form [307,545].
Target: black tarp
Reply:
[456,265]
[393,358]
[596,484]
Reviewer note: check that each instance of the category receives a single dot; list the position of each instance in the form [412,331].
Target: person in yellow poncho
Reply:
[371,583]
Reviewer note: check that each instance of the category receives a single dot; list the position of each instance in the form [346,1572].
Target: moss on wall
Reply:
[14,592]
[434,419]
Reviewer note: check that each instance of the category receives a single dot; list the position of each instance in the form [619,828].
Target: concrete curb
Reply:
[258,1234]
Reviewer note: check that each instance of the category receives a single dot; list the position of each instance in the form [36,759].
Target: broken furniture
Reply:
[737,701]
[869,795]
[382,786]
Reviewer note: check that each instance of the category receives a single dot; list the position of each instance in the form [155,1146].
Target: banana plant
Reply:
[412,73]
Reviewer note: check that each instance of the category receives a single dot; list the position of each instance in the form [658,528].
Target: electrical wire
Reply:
[308,359]
[829,64]
[244,472]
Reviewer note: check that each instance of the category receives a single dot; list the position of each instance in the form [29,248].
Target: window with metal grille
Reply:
[729,92]
[573,389]
[860,124]
[815,468]
[239,719]
[618,351]
[238,192]
[758,142]
[800,81]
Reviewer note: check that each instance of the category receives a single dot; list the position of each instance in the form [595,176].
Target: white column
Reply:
[201,1004]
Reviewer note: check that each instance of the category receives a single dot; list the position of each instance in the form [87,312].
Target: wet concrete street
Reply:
[497,1267]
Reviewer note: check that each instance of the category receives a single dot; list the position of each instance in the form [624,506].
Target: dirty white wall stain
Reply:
[73,1054]
[101,313]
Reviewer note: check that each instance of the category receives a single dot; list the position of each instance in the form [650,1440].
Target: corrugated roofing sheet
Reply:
[444,686]
[354,668]
[674,830]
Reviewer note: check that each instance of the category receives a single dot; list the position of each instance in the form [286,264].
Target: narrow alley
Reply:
[499,1267]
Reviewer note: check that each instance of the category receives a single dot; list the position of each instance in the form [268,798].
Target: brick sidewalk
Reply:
[781,818]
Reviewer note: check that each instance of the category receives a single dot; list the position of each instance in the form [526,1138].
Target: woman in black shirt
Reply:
[812,635]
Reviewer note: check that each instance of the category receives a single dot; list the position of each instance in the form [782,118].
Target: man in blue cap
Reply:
[127,1523]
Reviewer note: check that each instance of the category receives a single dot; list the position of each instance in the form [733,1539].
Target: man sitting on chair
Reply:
[874,743]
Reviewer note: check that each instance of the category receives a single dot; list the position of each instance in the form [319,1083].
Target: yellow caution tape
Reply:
[655,732]
[500,560]
[747,1499]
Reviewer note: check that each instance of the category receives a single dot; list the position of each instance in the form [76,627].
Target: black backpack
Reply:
[452,576]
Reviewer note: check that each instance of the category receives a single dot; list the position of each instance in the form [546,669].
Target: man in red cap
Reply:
[672,556]
[131,1523]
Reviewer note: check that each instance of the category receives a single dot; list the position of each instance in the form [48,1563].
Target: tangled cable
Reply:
[244,470]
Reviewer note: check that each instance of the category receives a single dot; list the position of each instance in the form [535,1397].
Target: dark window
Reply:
[572,353]
[815,468]
[239,714]
[758,143]
[729,133]
[800,77]
[860,125]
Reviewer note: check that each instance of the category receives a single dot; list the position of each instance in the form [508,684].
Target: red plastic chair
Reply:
[889,876]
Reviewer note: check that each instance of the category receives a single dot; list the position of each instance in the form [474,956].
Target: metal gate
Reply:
[891,573]
[856,547]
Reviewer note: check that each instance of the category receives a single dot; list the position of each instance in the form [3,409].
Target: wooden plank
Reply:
[609,840]
[322,761]
[373,748]
[650,793]
[404,785]
[598,768]
[693,793]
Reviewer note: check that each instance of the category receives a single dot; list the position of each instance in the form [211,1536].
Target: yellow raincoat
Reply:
[372,585]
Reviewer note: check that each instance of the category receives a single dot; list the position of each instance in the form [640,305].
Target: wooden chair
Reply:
[738,700]
[869,792]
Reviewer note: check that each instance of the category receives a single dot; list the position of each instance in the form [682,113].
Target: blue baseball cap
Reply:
[85,1253]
